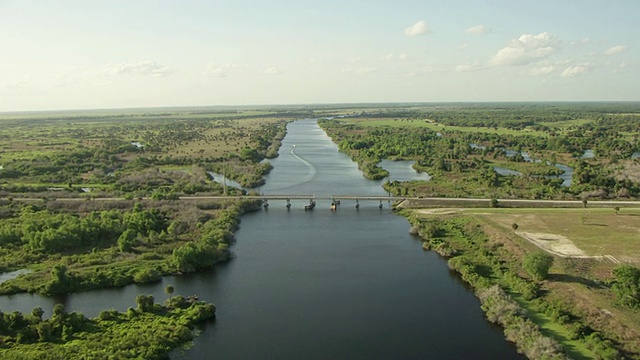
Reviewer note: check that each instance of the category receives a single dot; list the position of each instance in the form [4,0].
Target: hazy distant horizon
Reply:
[74,54]
[330,106]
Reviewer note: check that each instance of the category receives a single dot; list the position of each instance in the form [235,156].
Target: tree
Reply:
[169,290]
[538,264]
[627,285]
[37,313]
[145,302]
[494,203]
[58,311]
[126,240]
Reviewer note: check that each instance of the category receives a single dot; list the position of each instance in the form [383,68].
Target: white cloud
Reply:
[419,28]
[219,70]
[572,71]
[353,60]
[615,50]
[463,46]
[272,71]
[474,66]
[563,62]
[392,56]
[477,30]
[463,68]
[427,69]
[542,70]
[622,67]
[20,84]
[366,70]
[151,68]
[526,49]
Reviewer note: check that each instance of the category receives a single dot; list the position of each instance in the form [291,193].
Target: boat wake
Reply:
[308,176]
[312,169]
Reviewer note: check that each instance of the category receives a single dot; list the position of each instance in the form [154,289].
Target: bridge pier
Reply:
[311,205]
[334,204]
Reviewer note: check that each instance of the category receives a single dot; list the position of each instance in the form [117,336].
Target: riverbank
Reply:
[149,331]
[66,247]
[564,317]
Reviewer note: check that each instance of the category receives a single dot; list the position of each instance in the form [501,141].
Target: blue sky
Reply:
[112,54]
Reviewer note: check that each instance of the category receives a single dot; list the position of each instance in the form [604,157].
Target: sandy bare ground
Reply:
[560,245]
[555,244]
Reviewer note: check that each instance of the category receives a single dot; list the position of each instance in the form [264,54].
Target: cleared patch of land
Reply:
[555,244]
[574,232]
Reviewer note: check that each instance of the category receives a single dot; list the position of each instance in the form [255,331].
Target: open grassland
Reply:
[103,149]
[578,282]
[97,116]
[22,140]
[224,140]
[597,232]
[438,127]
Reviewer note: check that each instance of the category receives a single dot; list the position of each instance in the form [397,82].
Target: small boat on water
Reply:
[311,205]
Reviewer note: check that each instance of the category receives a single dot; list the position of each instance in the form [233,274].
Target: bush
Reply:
[626,285]
[147,275]
[538,264]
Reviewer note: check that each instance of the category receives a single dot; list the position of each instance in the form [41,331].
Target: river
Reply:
[320,284]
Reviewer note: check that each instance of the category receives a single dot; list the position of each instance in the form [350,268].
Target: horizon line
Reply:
[292,105]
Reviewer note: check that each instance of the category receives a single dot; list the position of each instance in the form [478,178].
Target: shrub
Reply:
[538,264]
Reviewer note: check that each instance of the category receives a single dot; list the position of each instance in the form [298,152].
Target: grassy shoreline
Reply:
[534,314]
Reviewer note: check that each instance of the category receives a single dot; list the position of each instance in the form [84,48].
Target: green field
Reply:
[422,123]
[595,231]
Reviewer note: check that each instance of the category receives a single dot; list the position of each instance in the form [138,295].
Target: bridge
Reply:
[335,199]
[323,197]
[399,201]
[431,202]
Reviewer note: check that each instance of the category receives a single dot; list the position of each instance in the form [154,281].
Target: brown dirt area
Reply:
[553,243]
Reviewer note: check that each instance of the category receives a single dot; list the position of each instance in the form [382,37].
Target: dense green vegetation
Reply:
[459,146]
[149,331]
[626,285]
[70,249]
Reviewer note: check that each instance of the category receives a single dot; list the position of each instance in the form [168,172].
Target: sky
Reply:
[80,54]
